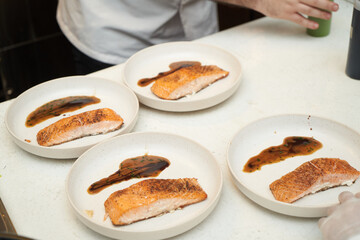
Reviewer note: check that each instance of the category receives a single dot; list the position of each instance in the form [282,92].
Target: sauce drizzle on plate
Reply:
[136,167]
[291,147]
[57,107]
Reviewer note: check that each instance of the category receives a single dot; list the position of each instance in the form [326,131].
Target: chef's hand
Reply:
[297,10]
[343,221]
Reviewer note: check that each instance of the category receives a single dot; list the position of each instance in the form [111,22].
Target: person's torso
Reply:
[112,30]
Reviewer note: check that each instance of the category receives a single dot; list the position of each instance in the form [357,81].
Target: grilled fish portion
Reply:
[313,176]
[88,123]
[187,80]
[152,197]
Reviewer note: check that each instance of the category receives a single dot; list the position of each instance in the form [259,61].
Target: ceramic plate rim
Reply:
[272,204]
[181,225]
[191,105]
[69,152]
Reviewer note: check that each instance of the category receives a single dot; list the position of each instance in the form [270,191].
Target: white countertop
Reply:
[285,72]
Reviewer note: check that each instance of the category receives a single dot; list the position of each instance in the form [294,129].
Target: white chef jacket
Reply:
[111,31]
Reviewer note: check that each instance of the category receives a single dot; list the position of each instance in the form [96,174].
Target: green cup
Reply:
[323,29]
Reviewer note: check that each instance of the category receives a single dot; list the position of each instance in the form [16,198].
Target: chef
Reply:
[107,32]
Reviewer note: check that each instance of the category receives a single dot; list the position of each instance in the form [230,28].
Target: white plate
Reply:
[187,159]
[153,60]
[112,95]
[338,142]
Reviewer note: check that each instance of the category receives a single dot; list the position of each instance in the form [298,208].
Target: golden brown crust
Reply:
[51,134]
[164,86]
[149,191]
[163,186]
[311,176]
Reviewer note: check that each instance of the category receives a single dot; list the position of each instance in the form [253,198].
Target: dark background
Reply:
[33,49]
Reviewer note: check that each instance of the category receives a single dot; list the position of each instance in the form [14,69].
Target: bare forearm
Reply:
[292,10]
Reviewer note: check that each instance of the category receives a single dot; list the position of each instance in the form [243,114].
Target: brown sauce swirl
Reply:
[137,167]
[173,68]
[57,107]
[291,147]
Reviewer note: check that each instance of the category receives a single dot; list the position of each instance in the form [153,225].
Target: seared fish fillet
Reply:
[313,176]
[187,80]
[88,123]
[152,197]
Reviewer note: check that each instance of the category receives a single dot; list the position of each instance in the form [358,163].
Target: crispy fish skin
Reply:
[88,123]
[313,176]
[152,197]
[187,80]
